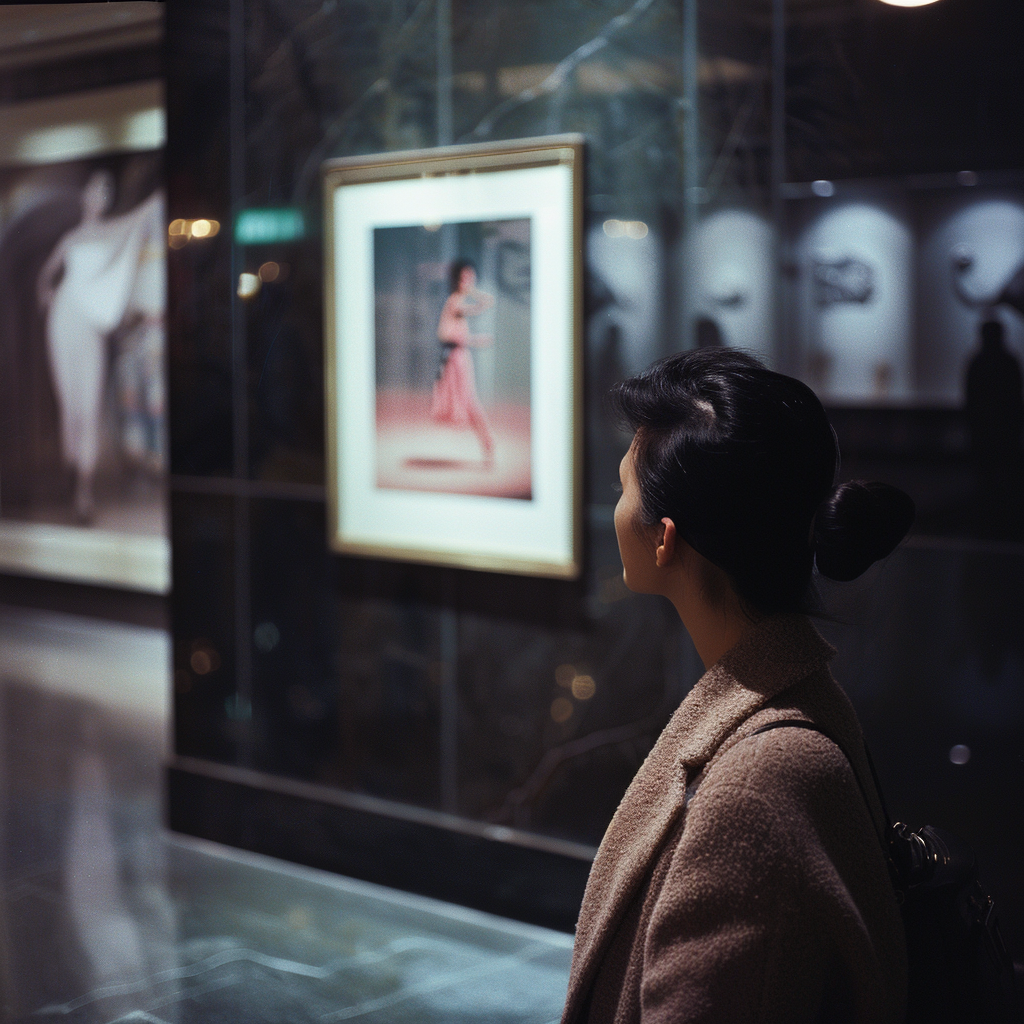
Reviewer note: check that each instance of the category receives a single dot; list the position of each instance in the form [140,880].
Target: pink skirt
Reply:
[454,399]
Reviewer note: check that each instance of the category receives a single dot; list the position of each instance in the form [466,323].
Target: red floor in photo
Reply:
[416,454]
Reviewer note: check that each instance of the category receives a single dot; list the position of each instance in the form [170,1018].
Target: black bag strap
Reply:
[802,723]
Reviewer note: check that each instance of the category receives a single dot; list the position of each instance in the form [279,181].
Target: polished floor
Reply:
[107,917]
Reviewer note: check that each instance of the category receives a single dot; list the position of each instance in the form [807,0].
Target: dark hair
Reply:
[743,460]
[455,274]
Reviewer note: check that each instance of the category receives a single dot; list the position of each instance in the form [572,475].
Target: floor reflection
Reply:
[106,917]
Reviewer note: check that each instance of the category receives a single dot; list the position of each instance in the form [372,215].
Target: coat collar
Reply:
[778,652]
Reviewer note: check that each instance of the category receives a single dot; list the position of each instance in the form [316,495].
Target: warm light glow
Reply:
[625,228]
[564,675]
[248,285]
[204,660]
[269,272]
[909,3]
[583,687]
[561,709]
[200,662]
[180,231]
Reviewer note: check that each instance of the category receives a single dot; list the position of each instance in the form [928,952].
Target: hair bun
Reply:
[857,524]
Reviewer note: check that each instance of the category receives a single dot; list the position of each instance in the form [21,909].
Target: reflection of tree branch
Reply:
[520,797]
[810,131]
[541,775]
[400,656]
[635,142]
[402,45]
[731,144]
[734,139]
[562,70]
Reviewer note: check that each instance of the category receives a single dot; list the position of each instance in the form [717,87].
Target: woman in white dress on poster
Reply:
[88,286]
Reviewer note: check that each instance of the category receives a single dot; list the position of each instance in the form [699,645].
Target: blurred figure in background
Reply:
[707,333]
[994,402]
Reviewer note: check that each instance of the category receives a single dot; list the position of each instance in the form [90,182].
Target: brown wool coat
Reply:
[765,897]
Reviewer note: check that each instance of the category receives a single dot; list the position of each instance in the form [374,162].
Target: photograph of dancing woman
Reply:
[455,401]
[452,329]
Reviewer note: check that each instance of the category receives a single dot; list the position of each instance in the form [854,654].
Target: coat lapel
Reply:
[775,654]
[778,652]
[652,801]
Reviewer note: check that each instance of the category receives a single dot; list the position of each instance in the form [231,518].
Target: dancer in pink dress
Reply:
[454,401]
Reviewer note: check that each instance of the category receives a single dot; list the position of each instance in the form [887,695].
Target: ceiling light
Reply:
[625,229]
[908,3]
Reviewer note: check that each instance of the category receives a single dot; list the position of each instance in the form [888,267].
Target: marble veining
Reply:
[556,81]
[106,917]
[407,967]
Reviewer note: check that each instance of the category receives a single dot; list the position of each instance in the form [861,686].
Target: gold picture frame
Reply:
[453,348]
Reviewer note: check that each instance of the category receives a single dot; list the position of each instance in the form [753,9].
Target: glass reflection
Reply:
[869,272]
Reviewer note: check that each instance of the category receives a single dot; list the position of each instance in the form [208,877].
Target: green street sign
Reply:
[269,224]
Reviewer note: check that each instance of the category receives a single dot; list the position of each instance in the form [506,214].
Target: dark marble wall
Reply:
[442,688]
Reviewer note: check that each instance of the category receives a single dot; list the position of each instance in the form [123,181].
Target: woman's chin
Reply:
[635,585]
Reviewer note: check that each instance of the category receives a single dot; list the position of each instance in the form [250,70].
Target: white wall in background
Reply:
[632,269]
[730,272]
[118,119]
[991,228]
[858,351]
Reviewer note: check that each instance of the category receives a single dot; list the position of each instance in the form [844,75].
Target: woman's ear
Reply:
[667,544]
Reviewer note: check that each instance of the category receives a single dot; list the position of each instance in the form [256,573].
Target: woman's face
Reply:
[636,545]
[467,279]
[96,196]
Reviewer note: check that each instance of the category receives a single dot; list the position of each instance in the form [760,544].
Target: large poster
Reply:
[82,406]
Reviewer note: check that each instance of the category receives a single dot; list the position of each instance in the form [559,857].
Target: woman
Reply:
[742,877]
[454,399]
[88,285]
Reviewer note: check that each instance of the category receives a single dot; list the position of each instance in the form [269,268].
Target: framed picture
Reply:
[83,238]
[453,320]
